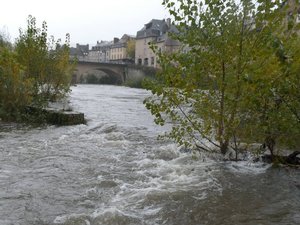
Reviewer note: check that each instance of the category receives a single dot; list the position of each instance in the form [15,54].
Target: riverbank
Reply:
[58,113]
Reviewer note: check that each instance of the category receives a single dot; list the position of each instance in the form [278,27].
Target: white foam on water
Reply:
[100,177]
[157,176]
[114,140]
[248,167]
[114,215]
[115,136]
[63,137]
[162,176]
[71,217]
[200,197]
[110,211]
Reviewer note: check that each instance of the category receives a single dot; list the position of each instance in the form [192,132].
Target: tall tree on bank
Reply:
[15,89]
[230,81]
[33,72]
[45,61]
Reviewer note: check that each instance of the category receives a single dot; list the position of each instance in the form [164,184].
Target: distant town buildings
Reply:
[131,49]
[80,52]
[116,51]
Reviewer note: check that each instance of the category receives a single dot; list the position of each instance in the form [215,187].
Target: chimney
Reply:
[116,40]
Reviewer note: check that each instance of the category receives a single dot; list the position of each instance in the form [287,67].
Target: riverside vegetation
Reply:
[236,79]
[33,71]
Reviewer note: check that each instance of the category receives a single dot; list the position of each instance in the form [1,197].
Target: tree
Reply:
[45,61]
[4,40]
[131,48]
[59,69]
[272,97]
[15,88]
[228,87]
[34,71]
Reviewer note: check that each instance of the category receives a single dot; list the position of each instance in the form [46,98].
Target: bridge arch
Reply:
[115,72]
[119,73]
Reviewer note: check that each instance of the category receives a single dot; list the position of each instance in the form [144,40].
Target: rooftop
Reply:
[156,28]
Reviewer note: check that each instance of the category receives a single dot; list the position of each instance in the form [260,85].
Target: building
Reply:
[119,49]
[81,52]
[100,52]
[156,32]
[116,51]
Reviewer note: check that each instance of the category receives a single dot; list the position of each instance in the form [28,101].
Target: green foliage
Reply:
[33,72]
[134,83]
[131,49]
[237,82]
[46,62]
[15,88]
[59,70]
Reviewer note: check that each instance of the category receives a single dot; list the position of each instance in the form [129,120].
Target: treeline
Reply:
[236,80]
[33,71]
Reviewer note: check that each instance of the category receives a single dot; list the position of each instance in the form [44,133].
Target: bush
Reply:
[35,71]
[15,88]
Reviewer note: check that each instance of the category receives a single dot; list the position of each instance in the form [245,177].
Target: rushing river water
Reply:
[113,171]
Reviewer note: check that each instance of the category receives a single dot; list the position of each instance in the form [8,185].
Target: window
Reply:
[146,61]
[139,61]
[152,61]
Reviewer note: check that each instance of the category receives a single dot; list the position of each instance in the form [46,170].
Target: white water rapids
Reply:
[113,171]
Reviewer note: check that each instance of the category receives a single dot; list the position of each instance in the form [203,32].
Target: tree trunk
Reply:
[224,147]
[270,143]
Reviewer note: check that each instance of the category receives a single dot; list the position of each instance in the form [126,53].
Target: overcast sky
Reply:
[87,20]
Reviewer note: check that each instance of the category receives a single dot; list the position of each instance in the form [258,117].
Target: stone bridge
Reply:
[118,73]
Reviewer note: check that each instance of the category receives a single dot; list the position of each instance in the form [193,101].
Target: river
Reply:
[114,171]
